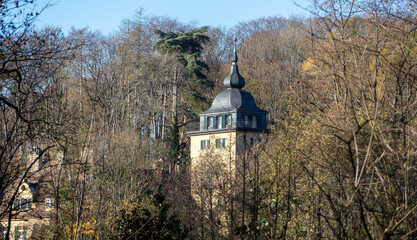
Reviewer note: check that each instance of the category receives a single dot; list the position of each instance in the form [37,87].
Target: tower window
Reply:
[221,143]
[221,121]
[254,122]
[215,122]
[204,144]
[206,123]
[246,120]
[228,121]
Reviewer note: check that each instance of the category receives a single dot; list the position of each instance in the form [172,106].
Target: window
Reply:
[222,123]
[22,204]
[206,123]
[254,121]
[49,203]
[210,122]
[225,121]
[20,232]
[28,204]
[246,120]
[221,143]
[204,144]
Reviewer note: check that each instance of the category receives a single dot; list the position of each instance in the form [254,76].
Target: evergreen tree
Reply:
[185,48]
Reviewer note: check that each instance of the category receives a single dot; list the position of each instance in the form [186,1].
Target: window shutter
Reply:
[223,142]
[29,204]
[22,204]
[24,232]
[16,231]
[215,122]
[208,144]
[206,122]
[15,204]
[201,144]
[223,121]
[217,143]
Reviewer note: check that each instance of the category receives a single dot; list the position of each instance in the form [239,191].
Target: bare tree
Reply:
[31,98]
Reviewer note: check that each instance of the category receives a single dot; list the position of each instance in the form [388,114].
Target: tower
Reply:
[227,129]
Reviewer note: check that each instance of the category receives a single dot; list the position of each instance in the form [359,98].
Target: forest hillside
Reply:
[98,125]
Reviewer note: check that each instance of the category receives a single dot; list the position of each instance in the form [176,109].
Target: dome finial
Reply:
[235,58]
[234,80]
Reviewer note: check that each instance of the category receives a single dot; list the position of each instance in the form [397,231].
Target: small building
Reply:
[32,198]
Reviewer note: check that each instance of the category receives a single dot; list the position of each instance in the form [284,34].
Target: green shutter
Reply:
[201,144]
[223,142]
[223,121]
[24,232]
[16,230]
[215,122]
[208,144]
[206,122]
[217,143]
[15,204]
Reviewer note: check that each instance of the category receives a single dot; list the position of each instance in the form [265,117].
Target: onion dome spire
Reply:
[234,79]
[235,58]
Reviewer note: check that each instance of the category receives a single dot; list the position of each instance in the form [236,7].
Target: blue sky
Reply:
[106,15]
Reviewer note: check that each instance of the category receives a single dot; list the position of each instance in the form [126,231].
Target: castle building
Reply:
[231,126]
